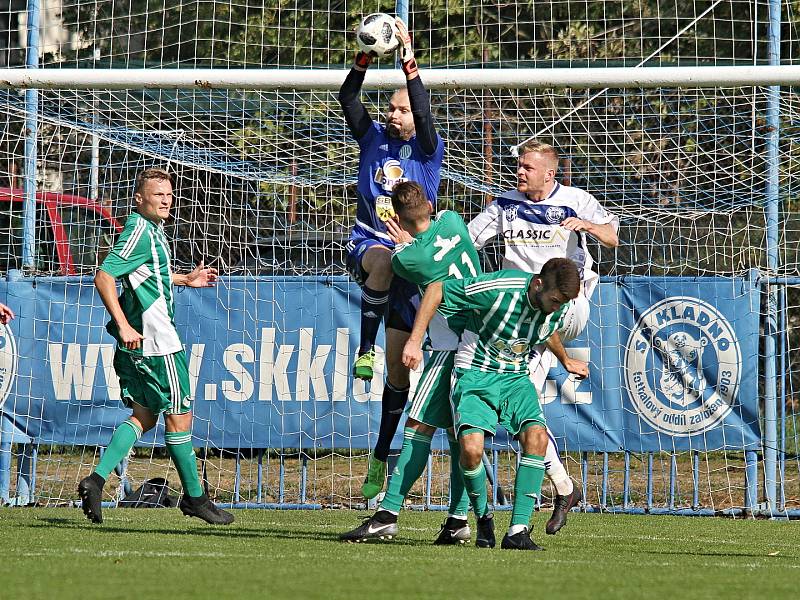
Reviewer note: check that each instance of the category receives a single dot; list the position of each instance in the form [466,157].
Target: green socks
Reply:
[125,436]
[459,500]
[179,446]
[527,487]
[410,464]
[475,482]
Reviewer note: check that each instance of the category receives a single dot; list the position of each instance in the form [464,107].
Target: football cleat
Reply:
[561,507]
[375,479]
[454,533]
[362,368]
[203,508]
[90,489]
[519,541]
[485,537]
[380,526]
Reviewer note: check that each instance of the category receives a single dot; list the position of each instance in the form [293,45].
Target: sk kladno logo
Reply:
[682,366]
[8,362]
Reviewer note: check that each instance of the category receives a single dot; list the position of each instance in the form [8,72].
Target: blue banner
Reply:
[270,360]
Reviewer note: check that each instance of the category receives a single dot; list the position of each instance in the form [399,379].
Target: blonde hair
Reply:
[540,148]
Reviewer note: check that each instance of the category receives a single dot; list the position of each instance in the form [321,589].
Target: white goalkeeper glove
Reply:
[406,49]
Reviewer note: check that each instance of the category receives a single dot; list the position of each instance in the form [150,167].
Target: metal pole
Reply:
[772,191]
[94,166]
[31,125]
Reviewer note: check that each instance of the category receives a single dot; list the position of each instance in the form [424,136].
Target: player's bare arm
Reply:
[603,233]
[107,288]
[6,314]
[412,352]
[200,277]
[572,365]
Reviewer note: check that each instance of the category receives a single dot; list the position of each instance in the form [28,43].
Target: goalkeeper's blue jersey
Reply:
[385,162]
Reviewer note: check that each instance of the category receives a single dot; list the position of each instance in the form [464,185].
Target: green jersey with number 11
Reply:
[444,251]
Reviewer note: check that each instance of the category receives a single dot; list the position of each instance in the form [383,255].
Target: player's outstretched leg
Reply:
[567,493]
[373,308]
[393,402]
[90,489]
[380,526]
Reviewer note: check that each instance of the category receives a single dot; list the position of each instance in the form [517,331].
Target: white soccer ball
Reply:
[377,34]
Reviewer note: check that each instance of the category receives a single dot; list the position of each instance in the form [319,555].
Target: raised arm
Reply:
[417,94]
[412,352]
[355,113]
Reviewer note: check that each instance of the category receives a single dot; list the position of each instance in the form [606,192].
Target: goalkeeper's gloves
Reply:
[363,60]
[406,50]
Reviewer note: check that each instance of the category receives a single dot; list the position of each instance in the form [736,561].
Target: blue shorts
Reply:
[403,295]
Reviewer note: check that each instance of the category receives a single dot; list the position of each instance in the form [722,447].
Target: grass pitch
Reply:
[56,553]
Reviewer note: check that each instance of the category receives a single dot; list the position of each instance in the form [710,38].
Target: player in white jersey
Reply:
[539,220]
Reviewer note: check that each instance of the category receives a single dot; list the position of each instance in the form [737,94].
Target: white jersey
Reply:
[532,231]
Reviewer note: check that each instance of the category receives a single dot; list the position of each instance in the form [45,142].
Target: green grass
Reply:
[56,553]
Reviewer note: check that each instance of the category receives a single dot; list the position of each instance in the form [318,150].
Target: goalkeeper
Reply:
[150,361]
[539,220]
[404,147]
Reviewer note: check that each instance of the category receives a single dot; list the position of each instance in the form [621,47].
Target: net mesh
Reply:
[265,180]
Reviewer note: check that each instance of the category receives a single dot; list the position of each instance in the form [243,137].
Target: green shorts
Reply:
[482,400]
[159,383]
[431,403]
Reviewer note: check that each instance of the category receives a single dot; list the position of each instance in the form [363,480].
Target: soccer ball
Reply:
[376,34]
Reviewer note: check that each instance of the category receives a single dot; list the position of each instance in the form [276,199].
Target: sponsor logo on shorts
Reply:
[682,366]
[8,361]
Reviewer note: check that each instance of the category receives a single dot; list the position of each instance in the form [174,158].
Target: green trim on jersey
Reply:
[502,326]
[140,259]
[443,251]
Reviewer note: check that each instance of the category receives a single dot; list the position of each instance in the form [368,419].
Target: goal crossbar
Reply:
[331,79]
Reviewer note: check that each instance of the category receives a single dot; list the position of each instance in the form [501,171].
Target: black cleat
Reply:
[454,532]
[203,508]
[519,541]
[485,537]
[380,526]
[90,490]
[561,507]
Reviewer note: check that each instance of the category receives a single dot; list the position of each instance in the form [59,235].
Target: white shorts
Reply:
[542,360]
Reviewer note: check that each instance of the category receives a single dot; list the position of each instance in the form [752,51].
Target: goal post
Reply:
[390,79]
[696,155]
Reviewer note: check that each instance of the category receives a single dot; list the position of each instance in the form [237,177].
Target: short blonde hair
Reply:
[152,173]
[540,148]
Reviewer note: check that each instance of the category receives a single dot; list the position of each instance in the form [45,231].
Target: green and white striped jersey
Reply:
[141,260]
[502,326]
[444,251]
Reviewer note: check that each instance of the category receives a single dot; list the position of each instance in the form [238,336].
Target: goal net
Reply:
[702,178]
